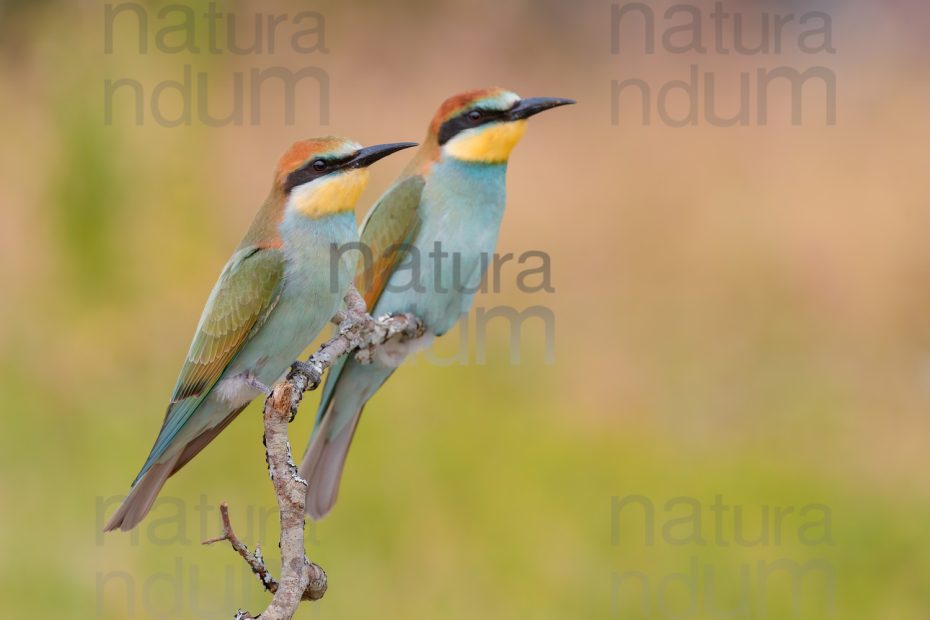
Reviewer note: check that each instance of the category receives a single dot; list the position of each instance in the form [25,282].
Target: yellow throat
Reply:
[490,144]
[331,194]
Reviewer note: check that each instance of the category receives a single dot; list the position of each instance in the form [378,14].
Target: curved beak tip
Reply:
[526,108]
[371,154]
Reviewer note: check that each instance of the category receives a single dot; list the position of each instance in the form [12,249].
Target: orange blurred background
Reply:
[739,312]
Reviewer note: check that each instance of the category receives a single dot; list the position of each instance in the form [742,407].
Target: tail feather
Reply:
[348,387]
[323,464]
[139,501]
[200,442]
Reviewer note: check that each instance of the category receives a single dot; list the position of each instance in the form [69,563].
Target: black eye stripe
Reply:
[308,172]
[462,121]
[299,177]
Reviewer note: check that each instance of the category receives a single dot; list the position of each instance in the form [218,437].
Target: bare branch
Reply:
[301,579]
[255,560]
[359,332]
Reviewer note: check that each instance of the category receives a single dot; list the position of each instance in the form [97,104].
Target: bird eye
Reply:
[319,165]
[474,115]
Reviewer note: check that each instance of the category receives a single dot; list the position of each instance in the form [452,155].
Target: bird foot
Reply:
[313,373]
[258,385]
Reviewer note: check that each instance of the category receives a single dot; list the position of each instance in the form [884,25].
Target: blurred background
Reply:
[741,315]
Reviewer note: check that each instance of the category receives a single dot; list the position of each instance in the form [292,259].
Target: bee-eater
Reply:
[272,299]
[449,199]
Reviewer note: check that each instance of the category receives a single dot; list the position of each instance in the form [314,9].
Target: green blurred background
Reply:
[740,312]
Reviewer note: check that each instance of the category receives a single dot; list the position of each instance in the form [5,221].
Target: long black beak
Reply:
[370,154]
[526,108]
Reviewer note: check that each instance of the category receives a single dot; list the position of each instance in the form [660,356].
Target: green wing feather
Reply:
[389,229]
[241,300]
[388,232]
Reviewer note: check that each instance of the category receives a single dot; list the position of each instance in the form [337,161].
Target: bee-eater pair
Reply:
[278,291]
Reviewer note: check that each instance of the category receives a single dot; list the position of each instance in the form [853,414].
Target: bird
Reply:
[450,199]
[274,296]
